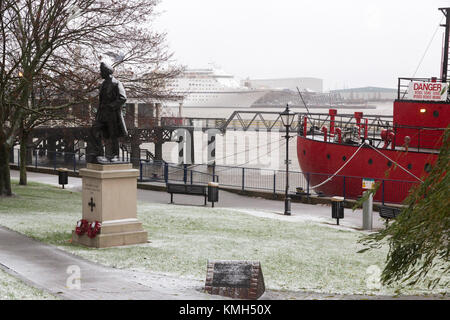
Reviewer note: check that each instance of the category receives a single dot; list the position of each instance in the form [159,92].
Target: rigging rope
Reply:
[192,166]
[428,47]
[353,155]
[236,153]
[396,163]
[279,147]
[342,167]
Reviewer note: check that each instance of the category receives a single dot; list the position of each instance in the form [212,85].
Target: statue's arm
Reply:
[121,97]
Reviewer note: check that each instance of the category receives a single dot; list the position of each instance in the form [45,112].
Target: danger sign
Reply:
[434,91]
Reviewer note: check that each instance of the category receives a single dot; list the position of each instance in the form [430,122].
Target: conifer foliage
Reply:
[419,237]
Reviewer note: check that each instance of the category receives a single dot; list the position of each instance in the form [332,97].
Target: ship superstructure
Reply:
[211,87]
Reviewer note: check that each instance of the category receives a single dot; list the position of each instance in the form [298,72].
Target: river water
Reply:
[257,149]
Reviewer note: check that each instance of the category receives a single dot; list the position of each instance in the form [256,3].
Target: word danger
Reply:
[427,91]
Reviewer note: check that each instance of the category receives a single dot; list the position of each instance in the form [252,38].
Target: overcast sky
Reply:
[347,43]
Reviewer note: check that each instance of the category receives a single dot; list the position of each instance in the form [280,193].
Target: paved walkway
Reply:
[272,208]
[49,268]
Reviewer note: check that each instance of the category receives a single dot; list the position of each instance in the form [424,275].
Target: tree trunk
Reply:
[5,177]
[23,158]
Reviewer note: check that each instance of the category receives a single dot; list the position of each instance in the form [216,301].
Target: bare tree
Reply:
[51,51]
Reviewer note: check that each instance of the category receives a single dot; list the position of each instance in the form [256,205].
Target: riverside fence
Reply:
[236,177]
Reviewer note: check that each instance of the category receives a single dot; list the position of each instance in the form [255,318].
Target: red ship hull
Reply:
[397,152]
[322,159]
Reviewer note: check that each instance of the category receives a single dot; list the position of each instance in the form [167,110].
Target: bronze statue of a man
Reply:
[109,123]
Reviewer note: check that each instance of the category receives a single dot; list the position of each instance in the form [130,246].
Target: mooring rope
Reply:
[342,167]
[396,163]
[353,155]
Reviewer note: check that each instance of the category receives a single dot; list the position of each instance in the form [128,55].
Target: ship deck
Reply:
[320,138]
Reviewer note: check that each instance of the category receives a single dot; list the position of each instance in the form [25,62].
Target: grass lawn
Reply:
[294,255]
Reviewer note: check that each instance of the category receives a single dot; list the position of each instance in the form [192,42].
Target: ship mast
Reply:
[444,67]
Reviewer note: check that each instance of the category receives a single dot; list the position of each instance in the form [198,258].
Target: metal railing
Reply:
[161,171]
[274,181]
[51,159]
[72,161]
[241,178]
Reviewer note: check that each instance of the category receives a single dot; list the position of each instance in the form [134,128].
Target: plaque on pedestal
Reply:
[235,279]
[109,197]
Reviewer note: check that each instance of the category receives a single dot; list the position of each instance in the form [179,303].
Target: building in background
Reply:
[304,84]
[366,94]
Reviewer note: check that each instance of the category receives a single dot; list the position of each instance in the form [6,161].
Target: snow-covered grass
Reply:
[12,288]
[295,255]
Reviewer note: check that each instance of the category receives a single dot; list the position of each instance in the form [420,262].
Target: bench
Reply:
[190,189]
[389,212]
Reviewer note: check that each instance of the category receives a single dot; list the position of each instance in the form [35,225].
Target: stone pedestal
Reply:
[109,196]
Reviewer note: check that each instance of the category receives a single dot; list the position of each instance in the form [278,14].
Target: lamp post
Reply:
[287,118]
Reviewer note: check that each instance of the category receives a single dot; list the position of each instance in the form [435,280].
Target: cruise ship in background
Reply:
[213,88]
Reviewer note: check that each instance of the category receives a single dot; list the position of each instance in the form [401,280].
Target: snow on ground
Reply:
[323,221]
[11,288]
[296,253]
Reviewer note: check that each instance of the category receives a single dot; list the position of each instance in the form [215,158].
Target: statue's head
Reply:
[105,70]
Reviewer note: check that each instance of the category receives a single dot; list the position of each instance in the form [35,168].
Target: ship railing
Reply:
[420,138]
[351,129]
[403,85]
[347,129]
